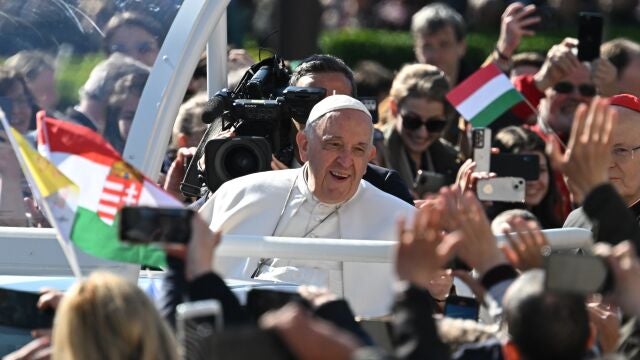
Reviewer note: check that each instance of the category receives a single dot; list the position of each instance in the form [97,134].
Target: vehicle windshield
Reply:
[61,56]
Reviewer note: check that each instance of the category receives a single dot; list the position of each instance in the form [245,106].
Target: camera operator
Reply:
[333,75]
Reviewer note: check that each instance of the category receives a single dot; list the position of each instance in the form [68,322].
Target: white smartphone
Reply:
[507,189]
[197,322]
[481,141]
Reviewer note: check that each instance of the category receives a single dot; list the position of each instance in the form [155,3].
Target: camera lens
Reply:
[241,161]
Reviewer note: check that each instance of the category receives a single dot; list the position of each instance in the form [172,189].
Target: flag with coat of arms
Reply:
[106,183]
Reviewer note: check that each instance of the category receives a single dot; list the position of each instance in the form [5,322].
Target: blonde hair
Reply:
[189,119]
[107,317]
[421,81]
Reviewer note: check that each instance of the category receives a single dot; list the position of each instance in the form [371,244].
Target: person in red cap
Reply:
[623,176]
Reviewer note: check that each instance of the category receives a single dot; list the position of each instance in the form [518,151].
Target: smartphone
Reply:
[506,189]
[589,35]
[481,142]
[526,166]
[371,103]
[577,273]
[461,307]
[19,309]
[259,301]
[428,182]
[143,225]
[197,322]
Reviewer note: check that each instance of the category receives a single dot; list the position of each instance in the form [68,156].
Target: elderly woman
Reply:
[419,114]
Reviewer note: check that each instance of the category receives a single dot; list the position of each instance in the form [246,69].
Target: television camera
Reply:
[259,110]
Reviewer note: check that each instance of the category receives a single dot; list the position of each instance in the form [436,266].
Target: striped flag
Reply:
[484,96]
[106,184]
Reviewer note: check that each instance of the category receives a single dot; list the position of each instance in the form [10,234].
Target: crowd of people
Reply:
[350,177]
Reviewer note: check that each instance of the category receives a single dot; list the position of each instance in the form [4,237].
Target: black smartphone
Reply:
[143,225]
[461,307]
[428,182]
[259,301]
[19,309]
[526,166]
[590,26]
[577,273]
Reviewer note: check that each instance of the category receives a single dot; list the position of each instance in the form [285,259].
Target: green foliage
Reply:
[72,75]
[393,49]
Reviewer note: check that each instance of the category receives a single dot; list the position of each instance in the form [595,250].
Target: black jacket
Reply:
[388,181]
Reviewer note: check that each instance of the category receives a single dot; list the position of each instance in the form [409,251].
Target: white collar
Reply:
[303,188]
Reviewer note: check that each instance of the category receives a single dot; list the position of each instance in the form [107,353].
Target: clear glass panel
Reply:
[58,55]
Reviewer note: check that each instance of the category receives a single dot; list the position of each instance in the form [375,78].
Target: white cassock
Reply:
[279,203]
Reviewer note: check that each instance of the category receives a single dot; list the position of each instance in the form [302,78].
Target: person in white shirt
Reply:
[326,198]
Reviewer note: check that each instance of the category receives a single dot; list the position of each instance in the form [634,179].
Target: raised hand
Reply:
[423,250]
[526,244]
[586,161]
[514,25]
[560,63]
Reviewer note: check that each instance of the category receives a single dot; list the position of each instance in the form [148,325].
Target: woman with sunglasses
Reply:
[419,114]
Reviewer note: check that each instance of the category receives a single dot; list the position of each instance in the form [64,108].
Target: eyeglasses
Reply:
[565,87]
[413,122]
[622,155]
[141,48]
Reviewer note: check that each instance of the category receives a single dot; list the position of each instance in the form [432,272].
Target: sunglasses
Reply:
[565,87]
[433,124]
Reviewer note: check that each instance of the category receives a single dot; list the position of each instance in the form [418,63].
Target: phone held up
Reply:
[19,309]
[461,307]
[589,35]
[197,322]
[143,225]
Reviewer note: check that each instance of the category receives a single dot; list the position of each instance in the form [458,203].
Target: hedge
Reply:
[392,49]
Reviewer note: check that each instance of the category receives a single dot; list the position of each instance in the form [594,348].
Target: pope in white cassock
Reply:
[326,198]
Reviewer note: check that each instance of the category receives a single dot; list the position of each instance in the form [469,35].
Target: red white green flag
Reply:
[106,183]
[484,96]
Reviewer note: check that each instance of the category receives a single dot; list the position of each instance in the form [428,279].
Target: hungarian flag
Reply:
[484,96]
[106,184]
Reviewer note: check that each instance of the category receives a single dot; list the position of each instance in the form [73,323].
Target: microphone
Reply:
[216,106]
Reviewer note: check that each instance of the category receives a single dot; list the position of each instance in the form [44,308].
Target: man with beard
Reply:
[557,89]
[559,86]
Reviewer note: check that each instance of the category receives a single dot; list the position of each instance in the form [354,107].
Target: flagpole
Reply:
[546,128]
[67,249]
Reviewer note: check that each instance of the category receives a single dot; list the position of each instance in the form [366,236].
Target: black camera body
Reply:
[259,110]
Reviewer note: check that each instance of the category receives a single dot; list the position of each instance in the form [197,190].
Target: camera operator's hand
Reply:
[513,26]
[478,247]
[526,244]
[422,252]
[176,172]
[585,163]
[277,164]
[201,247]
[604,75]
[307,337]
[560,63]
[625,265]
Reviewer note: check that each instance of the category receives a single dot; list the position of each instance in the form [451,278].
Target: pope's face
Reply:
[338,149]
[624,169]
